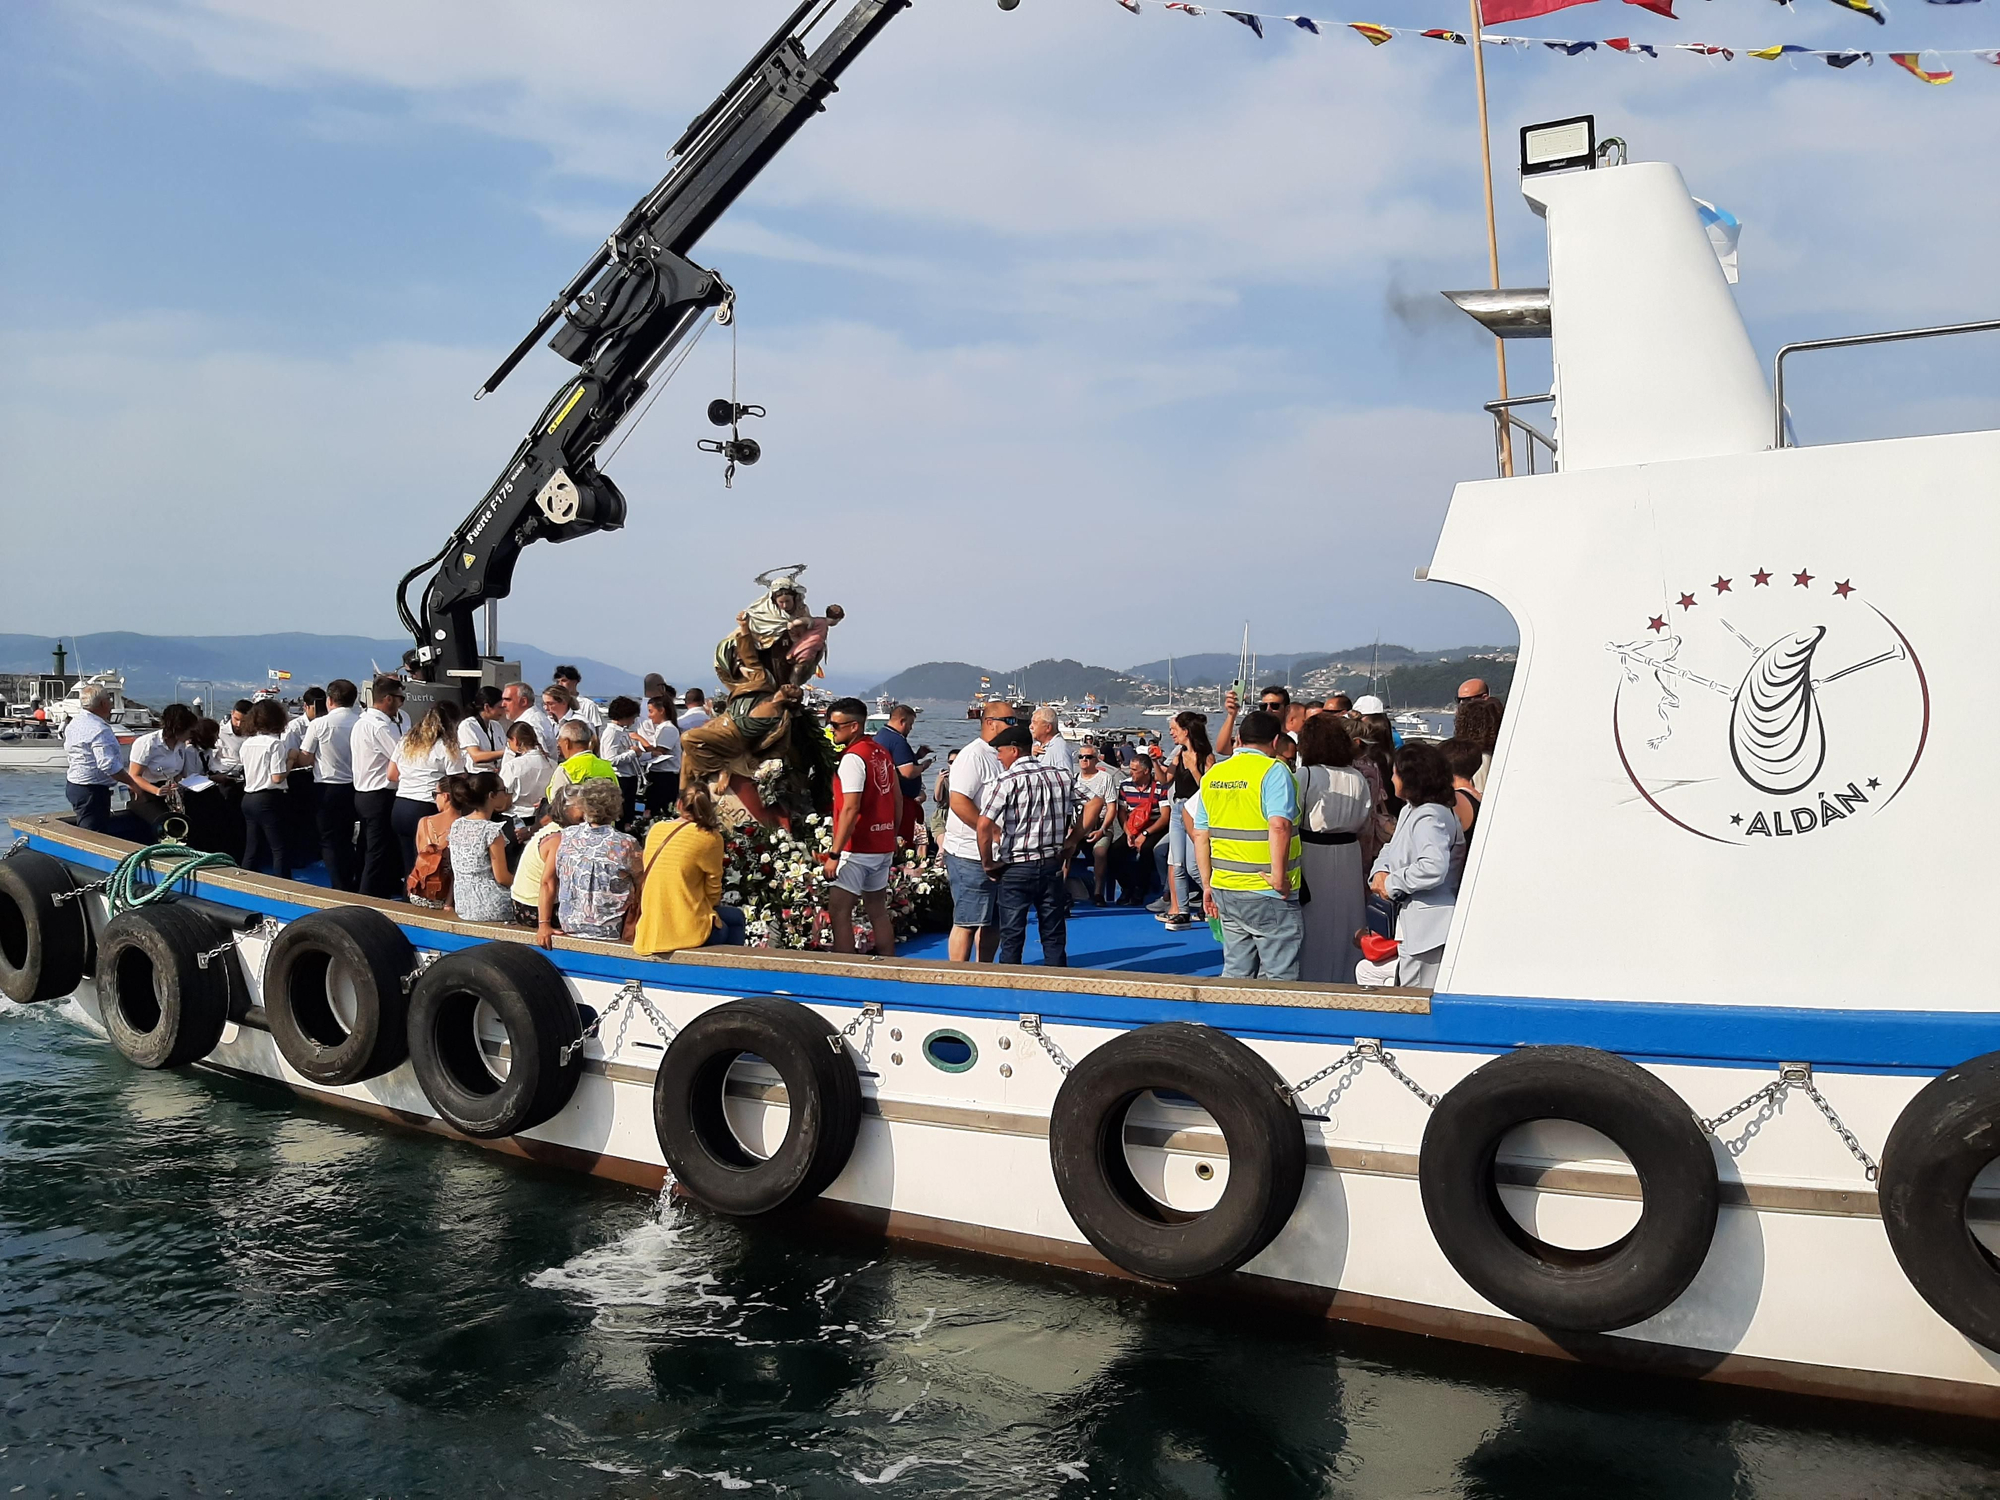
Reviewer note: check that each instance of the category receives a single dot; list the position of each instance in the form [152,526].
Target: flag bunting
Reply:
[1378,35]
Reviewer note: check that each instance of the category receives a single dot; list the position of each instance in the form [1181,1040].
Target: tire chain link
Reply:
[1798,1075]
[634,992]
[1033,1026]
[1366,1049]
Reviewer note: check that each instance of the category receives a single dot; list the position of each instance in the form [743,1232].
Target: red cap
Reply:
[1377,949]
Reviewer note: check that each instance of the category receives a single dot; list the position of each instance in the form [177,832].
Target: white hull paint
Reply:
[1800,1290]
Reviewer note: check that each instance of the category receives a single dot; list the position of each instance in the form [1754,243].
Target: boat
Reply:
[1694,1114]
[31,740]
[1168,709]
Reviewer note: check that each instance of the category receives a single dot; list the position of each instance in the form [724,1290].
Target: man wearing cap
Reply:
[1247,846]
[1028,832]
[974,893]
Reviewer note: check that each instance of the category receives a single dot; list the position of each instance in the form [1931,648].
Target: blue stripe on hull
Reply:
[1736,1036]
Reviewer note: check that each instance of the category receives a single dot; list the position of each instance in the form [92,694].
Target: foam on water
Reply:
[644,1267]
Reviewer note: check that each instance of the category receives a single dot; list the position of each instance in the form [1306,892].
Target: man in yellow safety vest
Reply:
[1247,845]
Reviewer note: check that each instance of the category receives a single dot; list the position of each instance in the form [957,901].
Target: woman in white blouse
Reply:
[161,761]
[427,754]
[267,761]
[1335,806]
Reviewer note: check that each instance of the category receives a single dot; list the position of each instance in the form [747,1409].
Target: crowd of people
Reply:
[517,809]
[1316,844]
[1299,831]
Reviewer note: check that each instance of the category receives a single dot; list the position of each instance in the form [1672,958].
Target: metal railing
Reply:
[1849,342]
[1504,422]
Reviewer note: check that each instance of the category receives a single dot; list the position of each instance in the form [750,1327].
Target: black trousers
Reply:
[264,847]
[404,818]
[382,869]
[663,790]
[335,816]
[628,793]
[301,816]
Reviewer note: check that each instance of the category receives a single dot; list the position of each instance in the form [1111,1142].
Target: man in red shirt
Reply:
[867,806]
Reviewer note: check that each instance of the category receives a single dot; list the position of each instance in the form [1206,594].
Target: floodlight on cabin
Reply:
[1559,145]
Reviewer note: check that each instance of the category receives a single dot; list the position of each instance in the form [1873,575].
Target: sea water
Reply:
[208,1287]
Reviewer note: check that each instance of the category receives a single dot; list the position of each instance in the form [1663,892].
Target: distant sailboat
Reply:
[1171,708]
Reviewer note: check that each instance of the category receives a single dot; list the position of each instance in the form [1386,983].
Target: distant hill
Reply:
[1435,684]
[155,665]
[1214,668]
[1038,681]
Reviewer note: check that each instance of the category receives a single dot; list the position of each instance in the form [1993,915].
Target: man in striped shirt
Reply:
[1028,833]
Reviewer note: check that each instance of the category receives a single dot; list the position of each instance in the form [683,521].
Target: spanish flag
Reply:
[1376,35]
[1912,62]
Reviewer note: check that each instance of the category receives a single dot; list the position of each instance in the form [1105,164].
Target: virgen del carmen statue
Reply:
[765,747]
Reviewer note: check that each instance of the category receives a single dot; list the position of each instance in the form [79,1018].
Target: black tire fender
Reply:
[822,1088]
[45,947]
[462,1080]
[1259,1123]
[324,964]
[160,1005]
[1583,1291]
[1942,1140]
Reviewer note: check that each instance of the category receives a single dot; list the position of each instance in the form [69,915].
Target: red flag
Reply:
[1500,12]
[1658,7]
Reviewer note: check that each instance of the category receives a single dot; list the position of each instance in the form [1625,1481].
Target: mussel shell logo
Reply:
[1762,707]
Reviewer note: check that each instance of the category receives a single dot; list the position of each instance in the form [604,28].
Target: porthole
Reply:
[949,1050]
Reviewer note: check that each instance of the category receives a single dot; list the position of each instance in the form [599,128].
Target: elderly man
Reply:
[1097,784]
[1339,703]
[576,761]
[96,762]
[974,893]
[894,737]
[586,708]
[1247,845]
[518,702]
[1028,832]
[1472,690]
[1053,749]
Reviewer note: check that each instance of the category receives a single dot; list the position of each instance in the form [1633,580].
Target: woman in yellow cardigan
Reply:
[682,902]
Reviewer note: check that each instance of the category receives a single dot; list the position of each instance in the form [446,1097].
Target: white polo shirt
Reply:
[664,737]
[371,749]
[977,767]
[264,757]
[591,714]
[692,718]
[544,727]
[476,733]
[159,763]
[329,741]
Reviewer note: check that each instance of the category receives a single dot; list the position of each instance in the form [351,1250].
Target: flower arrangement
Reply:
[777,879]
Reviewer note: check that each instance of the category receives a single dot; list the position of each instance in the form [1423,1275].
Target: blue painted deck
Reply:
[1110,937]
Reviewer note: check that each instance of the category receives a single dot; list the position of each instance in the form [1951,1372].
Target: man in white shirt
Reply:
[371,752]
[586,709]
[329,741]
[694,710]
[973,891]
[1050,747]
[482,733]
[519,702]
[96,763]
[228,757]
[302,795]
[660,744]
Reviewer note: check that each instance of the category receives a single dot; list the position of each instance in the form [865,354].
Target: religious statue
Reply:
[765,745]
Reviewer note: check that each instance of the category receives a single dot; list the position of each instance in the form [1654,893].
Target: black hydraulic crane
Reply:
[622,315]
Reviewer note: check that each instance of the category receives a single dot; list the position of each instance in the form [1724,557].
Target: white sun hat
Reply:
[1369,704]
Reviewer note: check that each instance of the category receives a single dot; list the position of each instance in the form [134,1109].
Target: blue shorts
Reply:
[973,892]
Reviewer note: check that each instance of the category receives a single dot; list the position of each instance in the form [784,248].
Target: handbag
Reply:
[631,927]
[1383,912]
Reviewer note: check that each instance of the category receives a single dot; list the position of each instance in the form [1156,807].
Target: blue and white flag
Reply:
[1723,228]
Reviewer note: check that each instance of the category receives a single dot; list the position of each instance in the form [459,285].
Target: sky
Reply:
[1081,333]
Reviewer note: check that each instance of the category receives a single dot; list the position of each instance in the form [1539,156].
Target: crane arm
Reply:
[632,304]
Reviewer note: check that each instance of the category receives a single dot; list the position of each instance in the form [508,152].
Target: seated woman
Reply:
[682,883]
[538,851]
[1421,866]
[429,881]
[478,843]
[592,884]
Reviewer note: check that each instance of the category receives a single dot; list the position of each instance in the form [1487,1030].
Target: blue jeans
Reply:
[732,928]
[972,892]
[1041,886]
[1261,935]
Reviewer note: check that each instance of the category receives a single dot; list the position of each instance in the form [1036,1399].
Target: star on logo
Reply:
[1686,601]
[1843,588]
[1801,579]
[1873,783]
[1721,584]
[1656,624]
[1762,578]
[1736,817]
